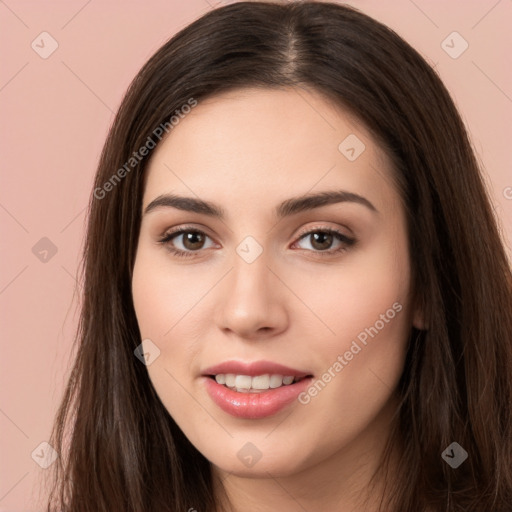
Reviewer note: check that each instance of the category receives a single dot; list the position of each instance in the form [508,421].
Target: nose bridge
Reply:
[251,300]
[249,280]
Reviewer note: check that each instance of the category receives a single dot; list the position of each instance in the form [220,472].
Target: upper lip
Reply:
[254,368]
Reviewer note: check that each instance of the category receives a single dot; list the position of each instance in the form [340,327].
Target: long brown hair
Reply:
[119,448]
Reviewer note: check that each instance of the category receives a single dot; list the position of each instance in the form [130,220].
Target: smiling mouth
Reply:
[257,383]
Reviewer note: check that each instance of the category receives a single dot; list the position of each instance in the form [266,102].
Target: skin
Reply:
[247,151]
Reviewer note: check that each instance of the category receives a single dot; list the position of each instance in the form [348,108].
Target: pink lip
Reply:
[253,369]
[254,405]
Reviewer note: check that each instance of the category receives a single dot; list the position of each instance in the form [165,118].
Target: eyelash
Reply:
[167,238]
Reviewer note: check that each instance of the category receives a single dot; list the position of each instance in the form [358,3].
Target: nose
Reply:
[251,302]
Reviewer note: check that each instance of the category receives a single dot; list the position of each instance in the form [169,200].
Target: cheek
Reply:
[366,322]
[163,295]
[168,300]
[162,298]
[366,309]
[351,297]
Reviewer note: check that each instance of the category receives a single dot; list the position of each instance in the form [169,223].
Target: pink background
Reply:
[55,114]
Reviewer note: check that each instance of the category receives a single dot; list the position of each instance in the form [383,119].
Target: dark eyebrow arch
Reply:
[286,208]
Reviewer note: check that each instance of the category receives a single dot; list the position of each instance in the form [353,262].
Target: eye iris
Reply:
[191,238]
[324,236]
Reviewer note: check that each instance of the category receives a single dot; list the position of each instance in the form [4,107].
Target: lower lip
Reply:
[254,405]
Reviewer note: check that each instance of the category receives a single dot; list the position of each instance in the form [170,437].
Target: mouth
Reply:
[255,396]
[254,390]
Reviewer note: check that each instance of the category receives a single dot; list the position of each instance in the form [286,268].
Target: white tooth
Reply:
[243,382]
[261,382]
[276,381]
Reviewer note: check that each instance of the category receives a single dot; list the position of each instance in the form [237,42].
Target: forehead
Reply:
[257,144]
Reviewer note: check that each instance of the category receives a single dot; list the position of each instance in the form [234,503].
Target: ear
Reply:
[418,319]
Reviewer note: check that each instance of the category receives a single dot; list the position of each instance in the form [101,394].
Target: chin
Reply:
[249,461]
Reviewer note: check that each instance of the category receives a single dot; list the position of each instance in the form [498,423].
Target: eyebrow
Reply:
[287,208]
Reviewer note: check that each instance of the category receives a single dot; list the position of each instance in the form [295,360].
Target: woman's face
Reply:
[253,290]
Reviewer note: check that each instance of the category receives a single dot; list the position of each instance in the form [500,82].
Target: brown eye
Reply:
[193,240]
[185,242]
[321,240]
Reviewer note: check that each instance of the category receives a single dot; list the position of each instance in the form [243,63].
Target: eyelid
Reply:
[324,227]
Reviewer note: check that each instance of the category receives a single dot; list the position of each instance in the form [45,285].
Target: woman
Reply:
[295,293]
